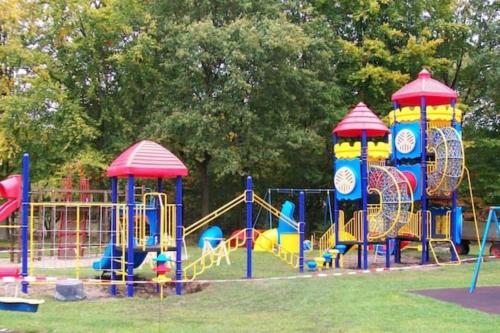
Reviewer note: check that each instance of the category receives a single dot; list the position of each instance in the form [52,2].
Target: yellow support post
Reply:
[32,238]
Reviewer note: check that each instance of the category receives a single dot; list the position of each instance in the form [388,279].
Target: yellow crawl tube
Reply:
[266,241]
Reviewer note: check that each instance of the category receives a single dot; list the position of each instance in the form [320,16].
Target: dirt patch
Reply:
[94,292]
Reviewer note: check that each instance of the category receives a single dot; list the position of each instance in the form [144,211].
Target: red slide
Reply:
[10,189]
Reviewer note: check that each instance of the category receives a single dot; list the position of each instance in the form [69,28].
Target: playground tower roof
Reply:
[435,92]
[358,119]
[147,159]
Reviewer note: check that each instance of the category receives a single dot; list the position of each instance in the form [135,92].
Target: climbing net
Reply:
[396,201]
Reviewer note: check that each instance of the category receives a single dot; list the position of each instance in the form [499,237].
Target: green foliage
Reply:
[233,87]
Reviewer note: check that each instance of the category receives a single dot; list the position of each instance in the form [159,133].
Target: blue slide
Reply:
[105,262]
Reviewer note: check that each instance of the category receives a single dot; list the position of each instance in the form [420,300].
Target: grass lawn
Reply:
[378,302]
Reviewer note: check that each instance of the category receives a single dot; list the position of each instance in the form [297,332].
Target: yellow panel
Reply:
[376,151]
[412,114]
[290,242]
[347,151]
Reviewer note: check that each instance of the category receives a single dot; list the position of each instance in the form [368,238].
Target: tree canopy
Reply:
[233,87]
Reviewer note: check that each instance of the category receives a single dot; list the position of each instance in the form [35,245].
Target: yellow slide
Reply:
[266,241]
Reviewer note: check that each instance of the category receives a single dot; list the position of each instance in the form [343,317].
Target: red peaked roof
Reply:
[147,159]
[360,118]
[435,92]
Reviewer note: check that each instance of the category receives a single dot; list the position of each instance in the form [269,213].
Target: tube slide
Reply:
[266,241]
[10,189]
[105,262]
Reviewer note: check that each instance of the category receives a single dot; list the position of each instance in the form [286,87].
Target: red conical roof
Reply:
[360,118]
[147,159]
[435,92]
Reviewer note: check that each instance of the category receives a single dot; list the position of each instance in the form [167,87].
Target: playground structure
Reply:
[402,179]
[76,236]
[418,162]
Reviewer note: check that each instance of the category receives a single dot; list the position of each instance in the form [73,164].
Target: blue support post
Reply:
[301,231]
[178,235]
[249,231]
[114,201]
[454,204]
[423,176]
[159,189]
[130,241]
[24,220]
[359,256]
[159,185]
[364,192]
[335,203]
[395,106]
[397,251]
[387,252]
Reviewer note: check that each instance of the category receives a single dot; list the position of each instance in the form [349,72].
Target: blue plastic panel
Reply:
[406,140]
[347,178]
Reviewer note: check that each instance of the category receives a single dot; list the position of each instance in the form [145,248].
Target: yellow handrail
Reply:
[289,257]
[215,214]
[472,203]
[207,259]
[353,229]
[327,240]
[275,212]
[443,176]
[413,227]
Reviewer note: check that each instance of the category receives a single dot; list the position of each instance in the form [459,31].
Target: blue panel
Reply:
[415,170]
[457,234]
[354,166]
[413,129]
[287,209]
[20,306]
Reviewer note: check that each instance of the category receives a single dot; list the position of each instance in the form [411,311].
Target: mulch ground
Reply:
[486,299]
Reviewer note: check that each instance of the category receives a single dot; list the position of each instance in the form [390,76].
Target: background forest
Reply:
[233,87]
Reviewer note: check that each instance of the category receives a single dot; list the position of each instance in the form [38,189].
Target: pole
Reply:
[114,200]
[387,252]
[130,242]
[301,231]
[24,220]
[159,189]
[492,215]
[423,176]
[178,236]
[454,204]
[335,203]
[393,141]
[364,191]
[249,231]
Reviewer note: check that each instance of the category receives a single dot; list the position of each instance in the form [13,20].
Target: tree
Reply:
[243,93]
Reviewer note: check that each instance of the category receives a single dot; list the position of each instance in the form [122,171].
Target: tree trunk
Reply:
[205,185]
